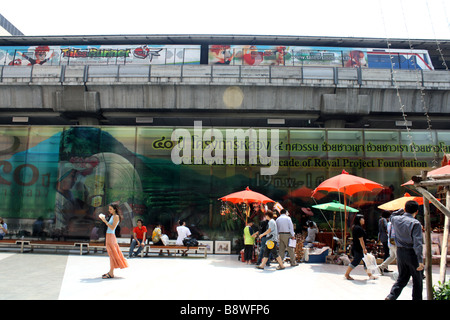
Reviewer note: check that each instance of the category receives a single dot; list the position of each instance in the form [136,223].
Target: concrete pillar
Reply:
[334,123]
[88,121]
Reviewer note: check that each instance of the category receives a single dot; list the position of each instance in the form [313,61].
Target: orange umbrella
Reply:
[247,196]
[303,193]
[399,203]
[347,184]
[441,170]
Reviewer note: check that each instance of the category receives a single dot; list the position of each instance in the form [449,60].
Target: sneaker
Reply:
[387,270]
[380,270]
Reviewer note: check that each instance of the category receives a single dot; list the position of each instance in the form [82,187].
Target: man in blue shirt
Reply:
[409,241]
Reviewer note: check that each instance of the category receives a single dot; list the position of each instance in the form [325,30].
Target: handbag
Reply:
[190,242]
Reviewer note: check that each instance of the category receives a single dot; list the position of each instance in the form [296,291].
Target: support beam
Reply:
[428,258]
[426,194]
[444,244]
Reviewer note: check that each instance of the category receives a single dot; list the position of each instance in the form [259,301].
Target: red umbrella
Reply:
[441,170]
[246,196]
[347,184]
[303,193]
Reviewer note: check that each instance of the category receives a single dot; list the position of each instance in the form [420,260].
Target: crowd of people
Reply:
[400,234]
[276,235]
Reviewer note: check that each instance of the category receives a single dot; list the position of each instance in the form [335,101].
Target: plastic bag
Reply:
[371,263]
[165,239]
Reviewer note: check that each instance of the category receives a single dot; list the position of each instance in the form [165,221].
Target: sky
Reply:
[406,19]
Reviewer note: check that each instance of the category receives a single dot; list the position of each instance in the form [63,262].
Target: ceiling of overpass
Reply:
[244,120]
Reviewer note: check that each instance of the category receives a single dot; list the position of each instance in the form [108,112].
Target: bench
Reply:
[11,243]
[60,245]
[69,245]
[32,244]
[174,248]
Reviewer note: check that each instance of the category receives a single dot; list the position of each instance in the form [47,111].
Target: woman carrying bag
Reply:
[358,247]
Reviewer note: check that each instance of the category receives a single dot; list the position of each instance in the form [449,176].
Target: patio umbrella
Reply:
[247,196]
[304,193]
[347,184]
[442,170]
[334,206]
[307,211]
[399,203]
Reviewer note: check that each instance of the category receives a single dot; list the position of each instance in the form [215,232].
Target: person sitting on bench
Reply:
[139,235]
[157,238]
[183,232]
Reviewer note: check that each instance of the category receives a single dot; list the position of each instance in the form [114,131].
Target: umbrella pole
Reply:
[345,223]
[334,220]
[334,223]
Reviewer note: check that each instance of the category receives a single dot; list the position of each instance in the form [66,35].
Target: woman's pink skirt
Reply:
[116,257]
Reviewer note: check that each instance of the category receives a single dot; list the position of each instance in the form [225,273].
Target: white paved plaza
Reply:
[33,276]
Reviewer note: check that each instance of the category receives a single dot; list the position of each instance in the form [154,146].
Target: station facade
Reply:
[88,121]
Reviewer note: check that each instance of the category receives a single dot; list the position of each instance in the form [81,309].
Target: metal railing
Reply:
[204,74]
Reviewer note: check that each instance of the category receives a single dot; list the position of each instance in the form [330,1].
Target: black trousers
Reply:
[407,264]
[248,252]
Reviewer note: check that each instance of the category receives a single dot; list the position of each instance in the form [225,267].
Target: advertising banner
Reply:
[252,55]
[287,56]
[100,55]
[66,176]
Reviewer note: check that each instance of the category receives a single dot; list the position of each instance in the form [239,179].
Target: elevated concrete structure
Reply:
[312,94]
[223,95]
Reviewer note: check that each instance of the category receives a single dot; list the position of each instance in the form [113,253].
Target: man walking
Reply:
[383,237]
[285,232]
[409,241]
[382,268]
[271,243]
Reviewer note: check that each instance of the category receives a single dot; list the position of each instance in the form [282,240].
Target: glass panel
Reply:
[305,143]
[383,144]
[345,144]
[420,143]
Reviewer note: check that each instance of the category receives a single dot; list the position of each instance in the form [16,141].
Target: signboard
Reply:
[100,54]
